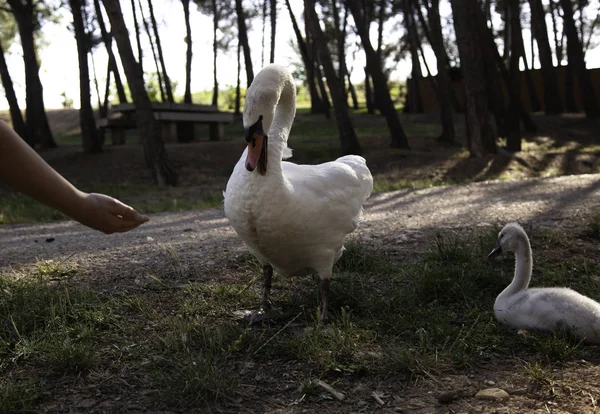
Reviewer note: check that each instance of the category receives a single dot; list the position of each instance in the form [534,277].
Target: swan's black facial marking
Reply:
[252,134]
[262,161]
[255,128]
[497,250]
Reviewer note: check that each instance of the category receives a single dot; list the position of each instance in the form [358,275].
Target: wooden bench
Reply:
[175,120]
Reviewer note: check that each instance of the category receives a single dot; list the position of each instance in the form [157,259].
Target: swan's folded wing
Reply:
[334,191]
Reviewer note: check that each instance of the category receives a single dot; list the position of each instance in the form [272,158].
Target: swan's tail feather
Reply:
[359,165]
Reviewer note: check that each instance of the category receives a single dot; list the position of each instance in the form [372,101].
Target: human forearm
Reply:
[24,170]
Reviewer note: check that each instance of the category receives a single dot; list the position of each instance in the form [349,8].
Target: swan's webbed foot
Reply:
[266,309]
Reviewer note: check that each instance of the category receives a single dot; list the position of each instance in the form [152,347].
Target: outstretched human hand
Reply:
[107,214]
[24,170]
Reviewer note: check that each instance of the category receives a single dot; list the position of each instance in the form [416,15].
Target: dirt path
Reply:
[393,219]
[397,221]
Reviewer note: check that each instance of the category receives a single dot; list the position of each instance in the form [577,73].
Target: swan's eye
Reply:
[502,235]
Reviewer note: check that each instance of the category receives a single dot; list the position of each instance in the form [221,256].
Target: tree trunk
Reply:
[156,156]
[368,93]
[89,134]
[104,107]
[581,4]
[161,87]
[185,130]
[339,43]
[552,101]
[382,92]
[416,102]
[313,56]
[96,83]
[569,97]
[513,141]
[559,44]
[89,29]
[187,96]
[444,85]
[112,62]
[322,89]
[577,61]
[531,39]
[103,110]
[352,92]
[380,21]
[493,67]
[533,98]
[238,94]
[481,136]
[273,29]
[16,116]
[264,27]
[505,39]
[138,36]
[38,129]
[369,98]
[243,34]
[424,60]
[445,60]
[487,8]
[215,97]
[349,141]
[161,57]
[492,62]
[316,104]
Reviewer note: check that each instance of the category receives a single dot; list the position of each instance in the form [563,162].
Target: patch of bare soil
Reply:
[397,223]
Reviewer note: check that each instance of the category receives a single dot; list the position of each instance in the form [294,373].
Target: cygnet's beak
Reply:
[497,250]
[257,147]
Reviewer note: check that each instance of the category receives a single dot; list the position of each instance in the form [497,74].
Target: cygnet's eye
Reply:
[501,235]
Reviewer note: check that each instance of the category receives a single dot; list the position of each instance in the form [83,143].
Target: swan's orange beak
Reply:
[257,148]
[257,153]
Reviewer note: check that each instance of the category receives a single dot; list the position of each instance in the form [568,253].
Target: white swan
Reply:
[546,309]
[294,218]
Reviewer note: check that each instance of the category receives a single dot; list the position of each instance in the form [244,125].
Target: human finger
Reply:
[128,213]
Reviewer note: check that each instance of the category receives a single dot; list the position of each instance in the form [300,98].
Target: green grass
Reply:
[594,228]
[178,347]
[47,330]
[19,397]
[72,137]
[18,208]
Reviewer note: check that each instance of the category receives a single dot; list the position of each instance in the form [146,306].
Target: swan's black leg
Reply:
[266,308]
[324,287]
[266,304]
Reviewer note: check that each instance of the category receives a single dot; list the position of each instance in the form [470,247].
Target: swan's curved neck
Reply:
[279,131]
[523,268]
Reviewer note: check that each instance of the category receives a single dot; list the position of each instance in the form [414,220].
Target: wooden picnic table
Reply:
[175,120]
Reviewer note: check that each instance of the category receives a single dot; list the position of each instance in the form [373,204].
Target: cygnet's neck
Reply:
[523,268]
